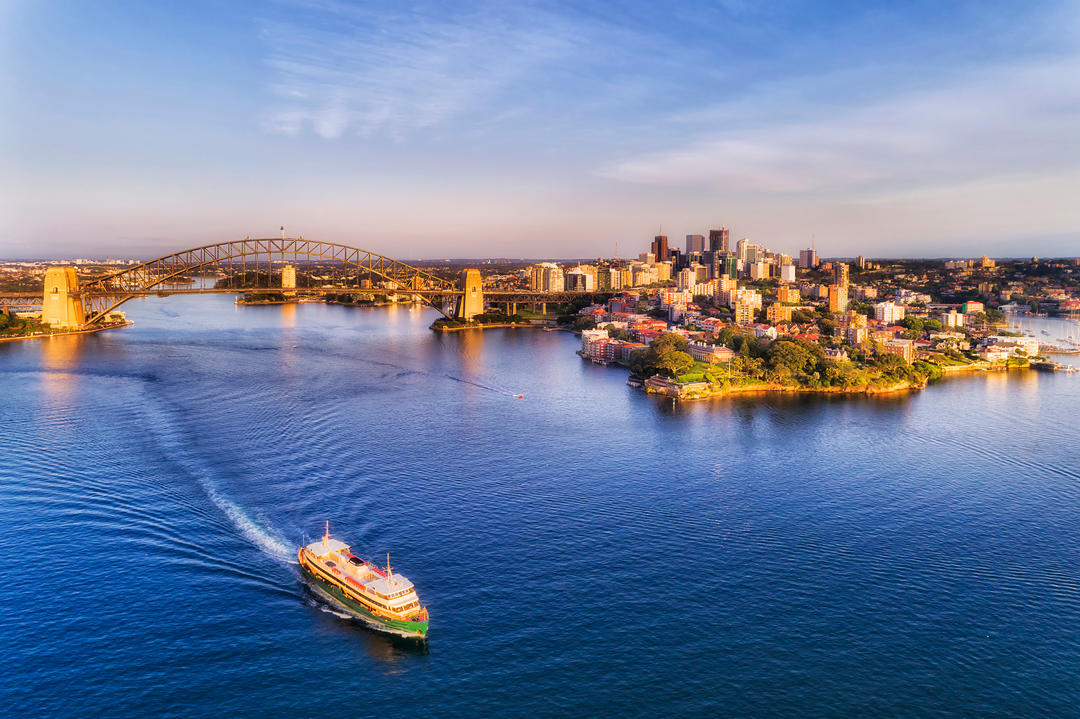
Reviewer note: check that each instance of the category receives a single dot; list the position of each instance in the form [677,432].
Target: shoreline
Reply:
[67,333]
[695,391]
[782,389]
[242,303]
[484,327]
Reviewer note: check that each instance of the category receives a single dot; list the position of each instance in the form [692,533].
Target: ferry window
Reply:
[356,560]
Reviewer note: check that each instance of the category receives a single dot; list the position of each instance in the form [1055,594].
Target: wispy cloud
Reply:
[1002,120]
[340,68]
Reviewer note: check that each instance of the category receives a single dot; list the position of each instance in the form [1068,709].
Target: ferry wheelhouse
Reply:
[366,590]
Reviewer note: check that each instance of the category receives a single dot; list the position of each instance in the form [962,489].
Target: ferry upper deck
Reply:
[392,591]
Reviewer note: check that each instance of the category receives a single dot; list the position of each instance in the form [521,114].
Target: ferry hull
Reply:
[416,629]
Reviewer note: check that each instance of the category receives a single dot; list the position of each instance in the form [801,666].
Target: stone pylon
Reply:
[472,302]
[62,308]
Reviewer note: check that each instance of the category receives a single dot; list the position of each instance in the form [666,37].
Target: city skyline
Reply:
[479,130]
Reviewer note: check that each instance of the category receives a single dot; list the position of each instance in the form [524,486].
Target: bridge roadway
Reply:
[498,295]
[510,297]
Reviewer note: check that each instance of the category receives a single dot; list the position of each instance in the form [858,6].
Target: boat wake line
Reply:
[489,388]
[257,534]
[170,438]
[414,370]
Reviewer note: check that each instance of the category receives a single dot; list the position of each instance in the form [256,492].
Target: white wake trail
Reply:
[163,427]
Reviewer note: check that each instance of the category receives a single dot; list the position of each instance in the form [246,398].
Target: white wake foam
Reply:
[169,436]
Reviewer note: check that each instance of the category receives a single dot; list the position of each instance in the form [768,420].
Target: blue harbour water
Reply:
[586,551]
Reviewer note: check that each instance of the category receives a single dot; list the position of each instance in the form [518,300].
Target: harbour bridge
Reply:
[296,266]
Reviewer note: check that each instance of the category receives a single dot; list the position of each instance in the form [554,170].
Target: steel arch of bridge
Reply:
[102,295]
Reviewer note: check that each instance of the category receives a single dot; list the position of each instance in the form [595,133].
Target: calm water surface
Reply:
[587,550]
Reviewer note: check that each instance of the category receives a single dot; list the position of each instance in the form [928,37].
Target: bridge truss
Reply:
[249,264]
[24,300]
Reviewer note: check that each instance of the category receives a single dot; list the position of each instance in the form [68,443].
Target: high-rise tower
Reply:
[841,274]
[719,239]
[660,248]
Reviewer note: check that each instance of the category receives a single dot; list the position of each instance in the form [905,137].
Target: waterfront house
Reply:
[711,354]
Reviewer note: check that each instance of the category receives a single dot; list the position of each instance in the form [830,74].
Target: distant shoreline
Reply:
[697,393]
[66,333]
[443,328]
[694,391]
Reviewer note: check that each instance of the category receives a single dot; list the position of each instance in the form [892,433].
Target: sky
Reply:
[555,129]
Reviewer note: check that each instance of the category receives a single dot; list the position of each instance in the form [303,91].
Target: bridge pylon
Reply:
[472,299]
[62,307]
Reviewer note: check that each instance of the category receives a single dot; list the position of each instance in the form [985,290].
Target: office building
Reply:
[696,243]
[677,259]
[719,239]
[808,259]
[660,248]
[579,280]
[740,249]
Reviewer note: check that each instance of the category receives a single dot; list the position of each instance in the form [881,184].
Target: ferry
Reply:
[374,594]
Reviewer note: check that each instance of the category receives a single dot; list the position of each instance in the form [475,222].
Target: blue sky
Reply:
[540,129]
